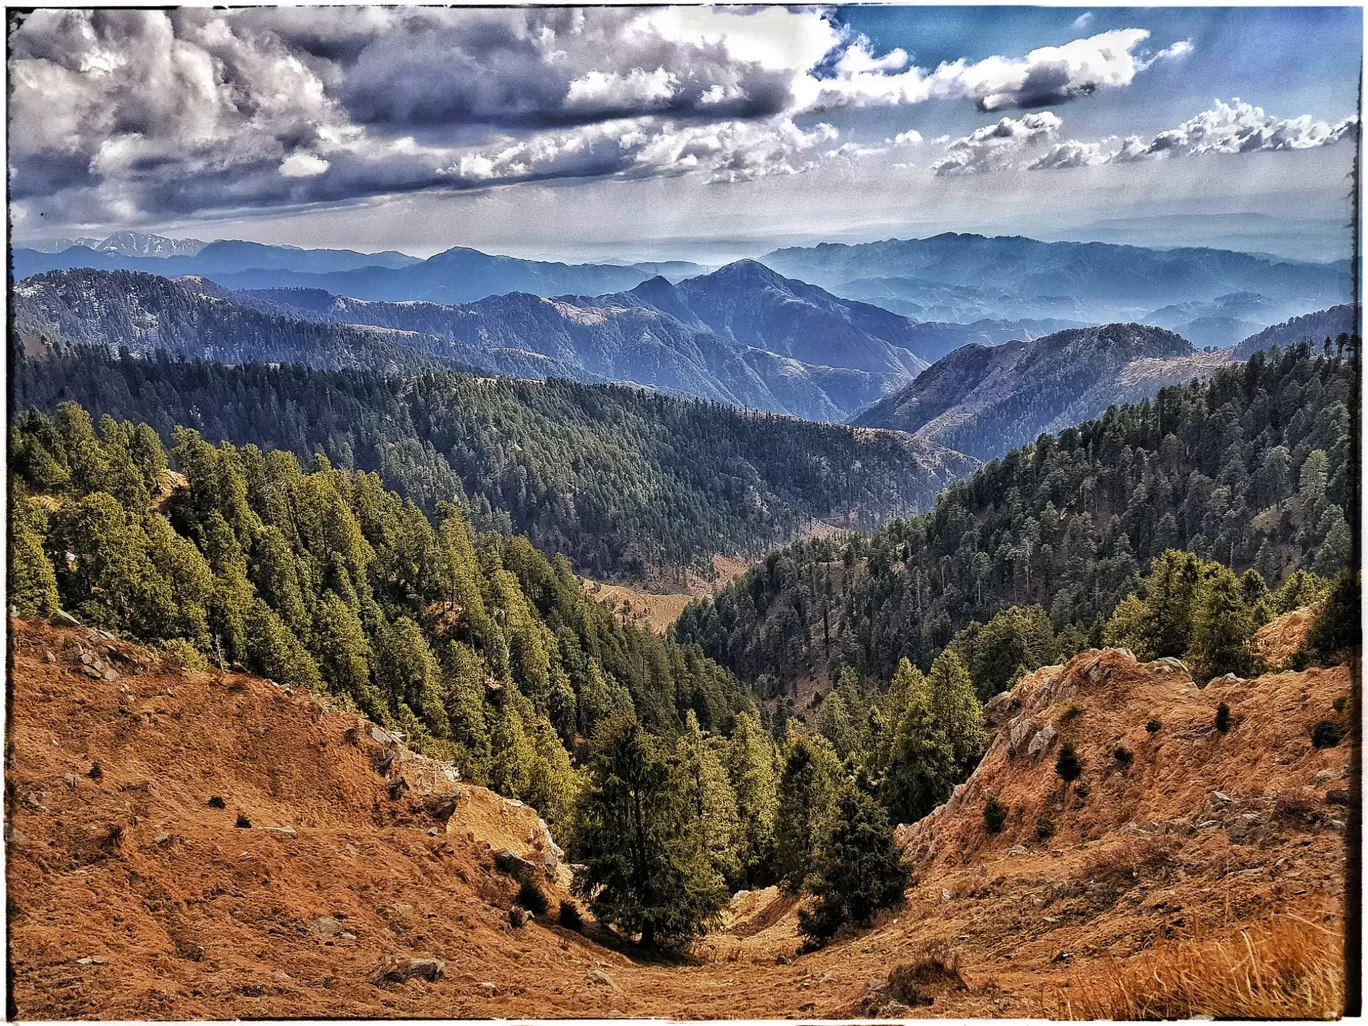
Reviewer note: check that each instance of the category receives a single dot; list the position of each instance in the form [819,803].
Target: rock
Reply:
[1171,665]
[1018,731]
[1336,825]
[62,618]
[1246,828]
[162,838]
[1337,796]
[92,960]
[945,896]
[281,975]
[514,865]
[1323,777]
[783,960]
[874,989]
[1042,739]
[998,709]
[110,673]
[600,978]
[1017,849]
[49,656]
[14,836]
[283,831]
[401,970]
[488,989]
[1063,956]
[326,926]
[518,917]
[432,831]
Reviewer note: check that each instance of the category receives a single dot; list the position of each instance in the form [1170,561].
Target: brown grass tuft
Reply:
[1284,968]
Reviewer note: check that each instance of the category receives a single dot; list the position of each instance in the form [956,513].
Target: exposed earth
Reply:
[337,858]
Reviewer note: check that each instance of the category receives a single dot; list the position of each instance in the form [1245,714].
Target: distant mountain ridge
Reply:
[1316,327]
[1103,281]
[984,401]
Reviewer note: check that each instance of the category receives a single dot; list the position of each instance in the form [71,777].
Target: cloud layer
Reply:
[1033,143]
[124,115]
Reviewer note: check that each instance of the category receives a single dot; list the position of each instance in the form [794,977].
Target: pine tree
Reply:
[643,871]
[859,868]
[703,785]
[750,763]
[31,581]
[807,789]
[510,753]
[1222,628]
[955,707]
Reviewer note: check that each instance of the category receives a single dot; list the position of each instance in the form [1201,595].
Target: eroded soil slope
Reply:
[132,896]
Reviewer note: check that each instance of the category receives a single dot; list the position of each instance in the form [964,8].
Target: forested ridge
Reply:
[619,480]
[1255,469]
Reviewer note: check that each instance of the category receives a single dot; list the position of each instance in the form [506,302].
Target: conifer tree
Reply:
[1222,627]
[31,583]
[807,787]
[643,871]
[706,790]
[956,709]
[750,763]
[859,871]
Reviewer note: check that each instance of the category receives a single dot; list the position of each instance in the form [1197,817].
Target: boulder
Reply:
[1042,740]
[62,618]
[326,927]
[599,978]
[1245,829]
[1019,731]
[488,989]
[401,970]
[518,917]
[998,709]
[515,865]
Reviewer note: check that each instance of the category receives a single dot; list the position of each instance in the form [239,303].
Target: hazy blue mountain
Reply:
[742,335]
[194,318]
[673,270]
[985,400]
[1316,327]
[1106,280]
[936,301]
[125,251]
[143,244]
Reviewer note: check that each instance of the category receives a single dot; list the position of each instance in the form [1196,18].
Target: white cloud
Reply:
[121,114]
[1032,143]
[1083,20]
[303,165]
[999,147]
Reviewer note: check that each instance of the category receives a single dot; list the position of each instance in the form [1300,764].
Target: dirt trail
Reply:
[132,897]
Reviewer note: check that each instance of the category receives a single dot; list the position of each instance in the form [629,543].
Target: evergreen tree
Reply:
[31,581]
[1222,627]
[807,787]
[859,870]
[956,709]
[750,763]
[703,785]
[643,871]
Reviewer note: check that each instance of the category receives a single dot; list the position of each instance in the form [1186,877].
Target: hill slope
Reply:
[984,401]
[621,481]
[132,897]
[1315,327]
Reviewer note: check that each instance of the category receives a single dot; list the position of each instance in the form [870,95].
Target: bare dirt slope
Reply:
[131,896]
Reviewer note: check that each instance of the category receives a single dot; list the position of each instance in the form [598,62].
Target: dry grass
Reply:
[1284,968]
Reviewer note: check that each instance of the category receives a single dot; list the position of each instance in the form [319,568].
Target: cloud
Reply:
[1083,20]
[124,114]
[1032,143]
[999,147]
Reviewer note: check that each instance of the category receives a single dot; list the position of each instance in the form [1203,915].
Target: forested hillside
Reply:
[480,648]
[1255,469]
[619,480]
[985,400]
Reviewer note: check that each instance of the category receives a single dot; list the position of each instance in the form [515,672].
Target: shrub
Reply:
[1153,726]
[1070,713]
[569,916]
[243,822]
[1045,828]
[1340,703]
[994,814]
[1123,755]
[1327,734]
[532,897]
[217,802]
[1067,765]
[1223,718]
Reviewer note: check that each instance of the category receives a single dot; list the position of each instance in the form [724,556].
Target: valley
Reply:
[133,897]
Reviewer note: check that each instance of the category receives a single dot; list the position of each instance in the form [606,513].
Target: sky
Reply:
[686,132]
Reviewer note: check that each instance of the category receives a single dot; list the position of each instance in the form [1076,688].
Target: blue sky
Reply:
[703,132]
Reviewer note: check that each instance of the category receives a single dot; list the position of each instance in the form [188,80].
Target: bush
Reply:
[1067,765]
[1327,734]
[1123,755]
[1045,828]
[1340,703]
[1153,726]
[569,916]
[994,814]
[243,822]
[217,802]
[1223,718]
[532,897]
[1071,712]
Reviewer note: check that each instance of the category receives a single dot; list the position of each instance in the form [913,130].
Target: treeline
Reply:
[619,480]
[480,648]
[1255,469]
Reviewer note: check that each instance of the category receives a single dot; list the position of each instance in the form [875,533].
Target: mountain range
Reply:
[985,400]
[1089,282]
[742,335]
